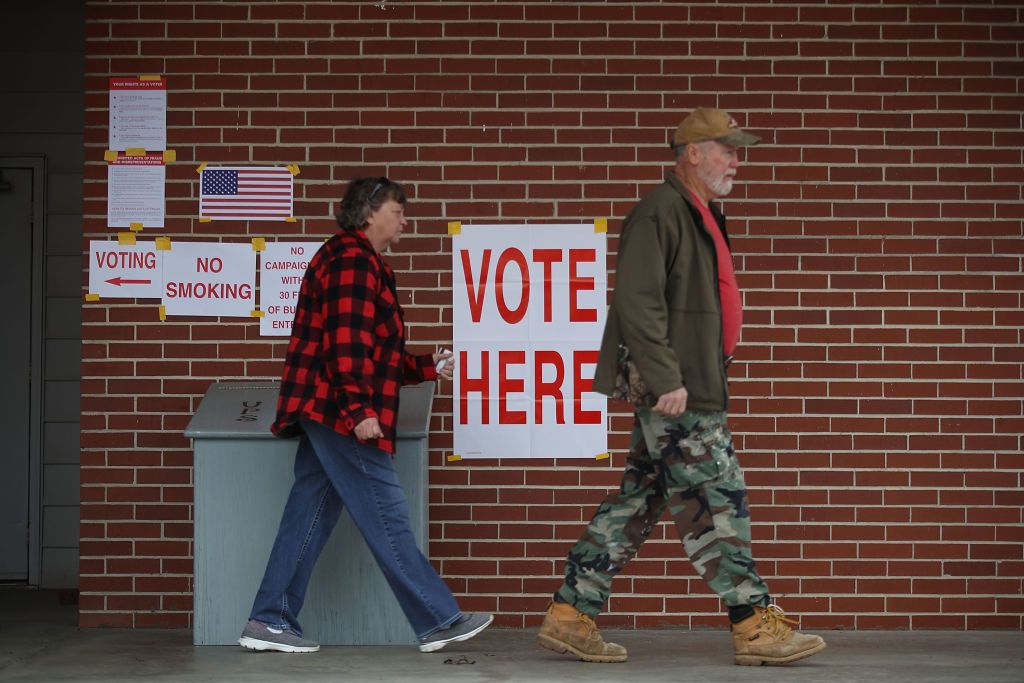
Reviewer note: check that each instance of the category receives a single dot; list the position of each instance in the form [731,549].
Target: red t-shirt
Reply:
[728,289]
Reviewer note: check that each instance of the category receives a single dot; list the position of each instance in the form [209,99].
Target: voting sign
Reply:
[124,270]
[529,307]
[282,265]
[209,278]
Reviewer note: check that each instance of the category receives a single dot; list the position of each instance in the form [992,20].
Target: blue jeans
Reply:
[331,472]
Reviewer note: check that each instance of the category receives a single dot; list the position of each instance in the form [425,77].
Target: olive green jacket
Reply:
[665,307]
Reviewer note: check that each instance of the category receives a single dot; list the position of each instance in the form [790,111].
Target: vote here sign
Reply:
[124,270]
[209,278]
[529,307]
[282,265]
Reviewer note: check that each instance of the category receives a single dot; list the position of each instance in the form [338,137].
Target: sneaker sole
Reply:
[265,645]
[561,648]
[758,660]
[438,644]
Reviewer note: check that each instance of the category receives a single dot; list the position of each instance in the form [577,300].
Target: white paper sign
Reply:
[529,307]
[209,278]
[124,271]
[282,265]
[138,114]
[135,191]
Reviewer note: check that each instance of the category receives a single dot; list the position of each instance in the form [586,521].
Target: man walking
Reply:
[673,325]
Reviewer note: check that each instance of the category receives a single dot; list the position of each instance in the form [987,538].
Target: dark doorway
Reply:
[21,205]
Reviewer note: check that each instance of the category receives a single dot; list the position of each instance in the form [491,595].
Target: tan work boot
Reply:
[765,638]
[566,629]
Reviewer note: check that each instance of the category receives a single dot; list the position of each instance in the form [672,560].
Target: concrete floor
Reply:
[39,642]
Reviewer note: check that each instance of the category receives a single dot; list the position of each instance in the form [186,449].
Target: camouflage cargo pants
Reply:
[688,465]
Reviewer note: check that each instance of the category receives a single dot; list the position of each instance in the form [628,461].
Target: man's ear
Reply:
[693,154]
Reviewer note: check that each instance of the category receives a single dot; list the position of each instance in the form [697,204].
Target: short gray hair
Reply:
[364,196]
[704,146]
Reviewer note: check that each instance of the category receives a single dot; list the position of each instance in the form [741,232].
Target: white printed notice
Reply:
[282,265]
[209,278]
[138,113]
[529,306]
[124,270]
[135,191]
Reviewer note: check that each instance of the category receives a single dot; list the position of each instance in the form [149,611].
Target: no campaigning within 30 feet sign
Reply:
[282,267]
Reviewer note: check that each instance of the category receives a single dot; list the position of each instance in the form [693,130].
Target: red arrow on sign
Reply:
[118,281]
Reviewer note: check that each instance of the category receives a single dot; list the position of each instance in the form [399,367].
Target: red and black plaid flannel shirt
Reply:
[346,359]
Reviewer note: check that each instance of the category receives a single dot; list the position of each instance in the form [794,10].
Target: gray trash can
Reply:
[242,478]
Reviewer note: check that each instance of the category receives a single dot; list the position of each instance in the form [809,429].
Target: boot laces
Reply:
[775,621]
[588,621]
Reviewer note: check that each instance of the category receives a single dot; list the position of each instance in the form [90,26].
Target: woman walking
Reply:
[345,365]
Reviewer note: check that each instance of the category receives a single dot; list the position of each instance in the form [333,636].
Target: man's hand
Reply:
[368,429]
[672,404]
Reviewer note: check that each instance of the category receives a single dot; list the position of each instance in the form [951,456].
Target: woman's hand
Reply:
[368,429]
[446,369]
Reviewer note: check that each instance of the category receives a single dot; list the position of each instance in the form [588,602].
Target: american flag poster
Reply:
[245,193]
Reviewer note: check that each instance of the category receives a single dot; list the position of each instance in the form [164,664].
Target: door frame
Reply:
[37,164]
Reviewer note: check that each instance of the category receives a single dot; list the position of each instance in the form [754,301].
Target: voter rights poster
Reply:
[138,113]
[529,307]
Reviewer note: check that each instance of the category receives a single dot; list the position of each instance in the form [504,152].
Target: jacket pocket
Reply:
[696,339]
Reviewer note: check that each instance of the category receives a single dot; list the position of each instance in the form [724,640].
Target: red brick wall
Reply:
[878,396]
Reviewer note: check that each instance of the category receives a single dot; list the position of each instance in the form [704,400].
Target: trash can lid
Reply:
[236,409]
[247,409]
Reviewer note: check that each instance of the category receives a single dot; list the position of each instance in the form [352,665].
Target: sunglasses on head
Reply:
[381,182]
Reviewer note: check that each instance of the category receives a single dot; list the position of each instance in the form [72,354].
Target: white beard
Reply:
[720,186]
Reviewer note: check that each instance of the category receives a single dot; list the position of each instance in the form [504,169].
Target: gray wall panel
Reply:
[64,319]
[61,486]
[63,151]
[59,272]
[64,237]
[60,568]
[42,113]
[61,443]
[43,44]
[63,401]
[57,25]
[64,194]
[45,72]
[63,359]
[60,526]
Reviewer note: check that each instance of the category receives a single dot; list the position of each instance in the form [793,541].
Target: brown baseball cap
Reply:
[706,123]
